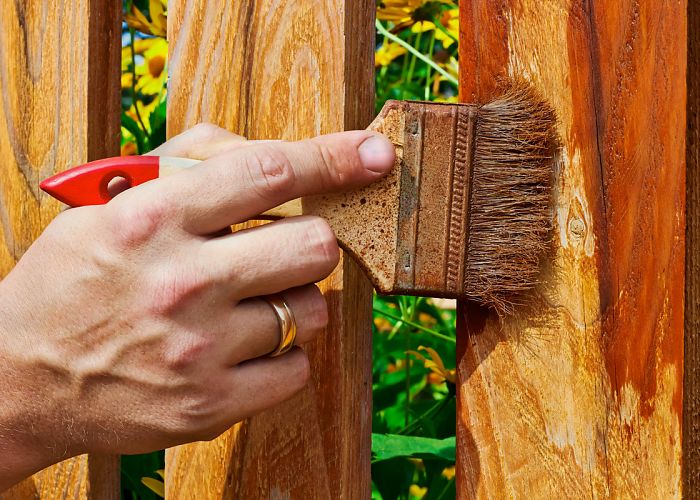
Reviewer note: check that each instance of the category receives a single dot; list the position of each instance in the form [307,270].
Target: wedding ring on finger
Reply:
[287,324]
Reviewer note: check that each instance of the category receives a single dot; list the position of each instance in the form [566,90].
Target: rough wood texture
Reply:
[580,394]
[59,85]
[284,69]
[691,387]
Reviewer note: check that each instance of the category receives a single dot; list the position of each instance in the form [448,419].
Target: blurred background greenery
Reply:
[413,374]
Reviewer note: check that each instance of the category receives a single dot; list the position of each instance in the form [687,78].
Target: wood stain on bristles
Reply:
[512,178]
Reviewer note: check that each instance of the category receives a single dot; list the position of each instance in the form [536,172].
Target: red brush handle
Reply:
[87,184]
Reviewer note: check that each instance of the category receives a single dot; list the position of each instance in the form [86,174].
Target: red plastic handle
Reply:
[87,184]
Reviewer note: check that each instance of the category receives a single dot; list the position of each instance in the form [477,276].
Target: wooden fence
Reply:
[582,393]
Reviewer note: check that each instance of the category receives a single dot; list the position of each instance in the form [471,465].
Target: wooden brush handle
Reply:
[289,209]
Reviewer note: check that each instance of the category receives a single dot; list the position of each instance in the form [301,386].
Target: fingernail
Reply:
[377,154]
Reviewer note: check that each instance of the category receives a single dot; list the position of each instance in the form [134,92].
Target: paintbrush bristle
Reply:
[465,213]
[510,208]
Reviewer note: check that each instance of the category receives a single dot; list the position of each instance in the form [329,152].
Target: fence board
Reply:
[284,69]
[59,82]
[580,393]
[691,387]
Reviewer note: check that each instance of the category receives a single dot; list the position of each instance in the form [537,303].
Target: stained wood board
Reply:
[691,387]
[284,69]
[580,393]
[59,82]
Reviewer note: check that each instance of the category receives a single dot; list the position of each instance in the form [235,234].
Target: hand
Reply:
[135,326]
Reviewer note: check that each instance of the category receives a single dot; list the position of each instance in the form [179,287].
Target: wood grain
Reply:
[691,386]
[284,69]
[580,393]
[59,91]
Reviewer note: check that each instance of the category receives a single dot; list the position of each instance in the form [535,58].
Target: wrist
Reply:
[23,446]
[21,452]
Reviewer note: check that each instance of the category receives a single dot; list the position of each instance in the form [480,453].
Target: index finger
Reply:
[242,183]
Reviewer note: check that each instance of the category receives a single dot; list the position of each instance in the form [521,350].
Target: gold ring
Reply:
[285,318]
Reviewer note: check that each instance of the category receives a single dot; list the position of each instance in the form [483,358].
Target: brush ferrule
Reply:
[434,187]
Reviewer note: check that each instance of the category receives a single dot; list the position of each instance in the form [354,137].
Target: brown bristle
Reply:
[510,206]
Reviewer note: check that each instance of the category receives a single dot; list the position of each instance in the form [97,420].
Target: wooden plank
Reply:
[580,393]
[59,81]
[284,69]
[691,386]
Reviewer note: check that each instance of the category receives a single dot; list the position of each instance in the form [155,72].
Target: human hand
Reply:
[135,325]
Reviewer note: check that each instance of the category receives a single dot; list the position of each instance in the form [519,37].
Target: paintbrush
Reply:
[465,213]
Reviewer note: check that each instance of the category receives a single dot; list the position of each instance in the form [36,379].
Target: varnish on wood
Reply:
[579,394]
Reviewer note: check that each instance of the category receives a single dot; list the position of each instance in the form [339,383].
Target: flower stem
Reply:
[381,29]
[412,67]
[416,326]
[133,84]
[430,412]
[426,91]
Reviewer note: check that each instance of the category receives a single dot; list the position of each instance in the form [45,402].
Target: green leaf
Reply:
[141,140]
[392,478]
[133,468]
[387,446]
[157,119]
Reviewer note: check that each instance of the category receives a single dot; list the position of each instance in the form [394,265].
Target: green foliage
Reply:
[388,446]
[400,73]
[135,467]
[414,410]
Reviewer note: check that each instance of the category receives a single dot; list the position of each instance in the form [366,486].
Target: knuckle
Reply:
[336,168]
[170,289]
[271,172]
[134,223]
[206,131]
[320,242]
[300,370]
[187,352]
[318,308]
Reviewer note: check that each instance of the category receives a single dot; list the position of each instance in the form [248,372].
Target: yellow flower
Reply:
[129,148]
[403,13]
[398,11]
[387,53]
[151,74]
[434,364]
[449,21]
[157,25]
[448,473]
[155,485]
[382,324]
[417,491]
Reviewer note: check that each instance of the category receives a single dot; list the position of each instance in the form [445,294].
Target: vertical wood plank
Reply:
[581,392]
[691,387]
[59,91]
[284,69]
